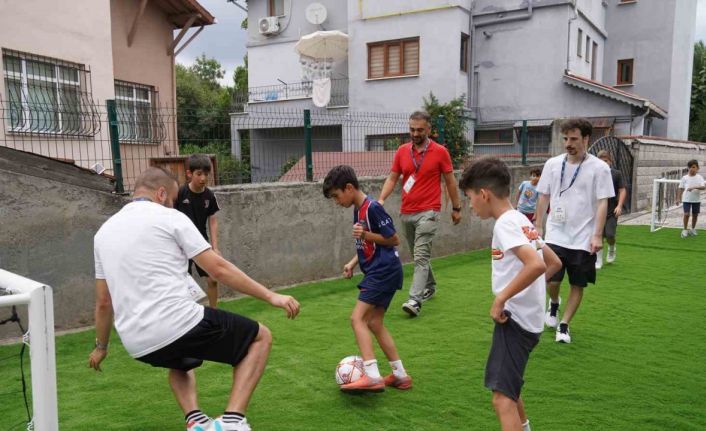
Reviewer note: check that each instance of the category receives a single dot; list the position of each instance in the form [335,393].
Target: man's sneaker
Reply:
[550,318]
[195,426]
[599,259]
[427,294]
[412,307]
[402,383]
[365,384]
[692,232]
[684,233]
[562,334]
[610,258]
[219,425]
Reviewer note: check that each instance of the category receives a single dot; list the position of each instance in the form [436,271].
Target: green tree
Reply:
[454,125]
[240,76]
[697,116]
[209,70]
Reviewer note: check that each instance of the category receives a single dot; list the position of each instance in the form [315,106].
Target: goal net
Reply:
[15,291]
[664,202]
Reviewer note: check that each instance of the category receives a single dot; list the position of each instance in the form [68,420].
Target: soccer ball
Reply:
[349,370]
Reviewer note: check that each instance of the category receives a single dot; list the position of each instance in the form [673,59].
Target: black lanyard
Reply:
[576,172]
[414,159]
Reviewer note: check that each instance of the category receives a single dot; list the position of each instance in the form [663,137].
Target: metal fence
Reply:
[261,143]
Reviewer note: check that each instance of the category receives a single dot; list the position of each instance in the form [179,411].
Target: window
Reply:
[625,72]
[389,142]
[46,95]
[393,58]
[137,117]
[275,7]
[588,48]
[505,136]
[465,39]
[579,45]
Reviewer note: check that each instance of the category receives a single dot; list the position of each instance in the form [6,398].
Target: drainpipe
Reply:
[568,37]
[640,117]
[471,61]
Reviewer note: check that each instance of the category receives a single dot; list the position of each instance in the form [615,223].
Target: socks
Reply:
[371,369]
[232,417]
[398,369]
[196,416]
[526,426]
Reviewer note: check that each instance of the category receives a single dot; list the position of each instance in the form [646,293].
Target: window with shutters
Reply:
[393,58]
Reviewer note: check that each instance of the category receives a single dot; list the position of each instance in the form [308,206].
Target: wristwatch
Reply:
[456,209]
[100,346]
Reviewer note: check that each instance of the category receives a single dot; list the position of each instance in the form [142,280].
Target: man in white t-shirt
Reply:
[141,258]
[520,264]
[576,186]
[690,196]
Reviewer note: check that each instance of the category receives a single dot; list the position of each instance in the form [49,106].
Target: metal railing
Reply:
[289,91]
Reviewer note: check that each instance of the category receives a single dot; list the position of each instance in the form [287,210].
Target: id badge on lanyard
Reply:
[411,180]
[559,213]
[408,184]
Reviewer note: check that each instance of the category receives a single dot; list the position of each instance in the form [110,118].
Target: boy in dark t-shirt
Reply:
[199,203]
[376,241]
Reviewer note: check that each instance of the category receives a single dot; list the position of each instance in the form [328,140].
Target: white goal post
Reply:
[38,298]
[664,199]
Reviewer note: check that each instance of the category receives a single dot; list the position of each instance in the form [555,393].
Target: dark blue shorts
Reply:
[376,297]
[693,207]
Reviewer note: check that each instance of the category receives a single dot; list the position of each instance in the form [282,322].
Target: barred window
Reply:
[138,120]
[47,95]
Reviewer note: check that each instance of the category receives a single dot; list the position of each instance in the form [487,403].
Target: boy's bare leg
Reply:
[553,287]
[212,292]
[359,321]
[521,410]
[507,412]
[377,326]
[248,372]
[694,217]
[183,385]
[686,221]
[575,296]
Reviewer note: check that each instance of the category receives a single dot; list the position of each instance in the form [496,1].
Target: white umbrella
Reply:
[324,44]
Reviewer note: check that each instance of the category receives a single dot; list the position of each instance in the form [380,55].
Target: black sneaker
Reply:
[427,294]
[562,334]
[412,307]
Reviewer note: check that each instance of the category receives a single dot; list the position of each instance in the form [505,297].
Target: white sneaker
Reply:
[550,318]
[610,258]
[412,307]
[526,426]
[219,425]
[562,333]
[684,233]
[692,232]
[194,426]
[599,259]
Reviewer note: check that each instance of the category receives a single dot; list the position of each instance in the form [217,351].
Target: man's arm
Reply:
[452,187]
[389,186]
[228,274]
[532,268]
[597,238]
[622,194]
[104,321]
[540,212]
[213,232]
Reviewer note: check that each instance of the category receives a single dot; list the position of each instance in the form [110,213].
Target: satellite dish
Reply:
[316,13]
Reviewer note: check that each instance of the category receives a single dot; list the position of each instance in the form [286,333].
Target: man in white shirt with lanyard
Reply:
[576,187]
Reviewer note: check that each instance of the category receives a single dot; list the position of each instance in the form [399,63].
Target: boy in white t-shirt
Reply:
[520,265]
[690,197]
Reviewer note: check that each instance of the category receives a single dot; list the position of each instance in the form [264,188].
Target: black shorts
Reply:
[611,226]
[694,207]
[219,337]
[508,358]
[199,270]
[579,264]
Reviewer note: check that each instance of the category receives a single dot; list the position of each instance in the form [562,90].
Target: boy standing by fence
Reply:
[527,195]
[690,197]
[199,203]
[519,264]
[376,241]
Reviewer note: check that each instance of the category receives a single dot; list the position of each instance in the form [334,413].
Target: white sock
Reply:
[371,369]
[526,426]
[398,369]
[611,248]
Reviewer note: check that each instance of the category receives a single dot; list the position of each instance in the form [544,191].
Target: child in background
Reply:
[527,195]
[689,194]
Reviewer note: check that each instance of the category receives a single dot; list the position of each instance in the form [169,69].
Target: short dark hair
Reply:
[338,177]
[536,172]
[421,115]
[582,124]
[198,161]
[153,178]
[487,173]
[606,154]
[692,162]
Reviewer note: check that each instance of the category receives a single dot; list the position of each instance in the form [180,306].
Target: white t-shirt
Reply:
[689,181]
[142,252]
[513,230]
[579,202]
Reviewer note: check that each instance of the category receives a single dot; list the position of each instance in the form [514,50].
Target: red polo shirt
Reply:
[425,195]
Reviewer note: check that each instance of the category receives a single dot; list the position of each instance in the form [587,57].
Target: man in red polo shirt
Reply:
[421,163]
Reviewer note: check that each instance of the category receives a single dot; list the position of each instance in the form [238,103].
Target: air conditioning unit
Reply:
[269,25]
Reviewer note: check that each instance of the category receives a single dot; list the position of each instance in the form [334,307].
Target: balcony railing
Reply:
[289,91]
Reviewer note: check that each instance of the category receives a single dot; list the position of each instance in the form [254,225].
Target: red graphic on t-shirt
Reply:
[530,232]
[497,254]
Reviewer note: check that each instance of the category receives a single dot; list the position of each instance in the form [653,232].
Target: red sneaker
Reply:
[402,383]
[365,384]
